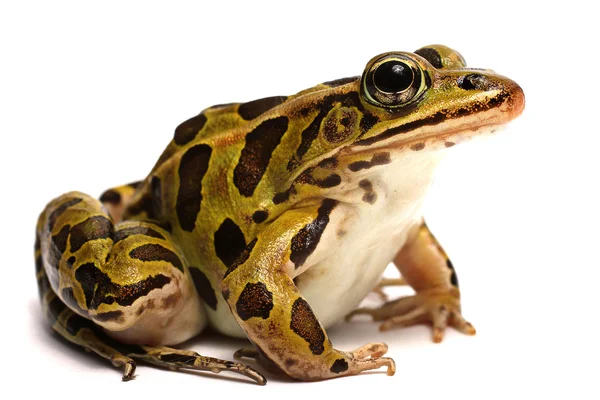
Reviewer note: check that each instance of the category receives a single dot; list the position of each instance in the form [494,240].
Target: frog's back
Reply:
[229,171]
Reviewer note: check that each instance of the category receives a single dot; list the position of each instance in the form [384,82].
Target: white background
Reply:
[90,94]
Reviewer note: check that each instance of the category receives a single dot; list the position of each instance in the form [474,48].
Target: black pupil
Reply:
[393,77]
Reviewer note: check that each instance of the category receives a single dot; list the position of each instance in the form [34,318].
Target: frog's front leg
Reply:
[425,266]
[260,291]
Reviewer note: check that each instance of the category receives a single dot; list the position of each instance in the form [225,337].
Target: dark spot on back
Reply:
[449,144]
[229,242]
[431,55]
[187,131]
[260,216]
[93,228]
[305,324]
[156,252]
[253,109]
[307,238]
[256,154]
[111,196]
[254,301]
[203,287]
[281,197]
[192,168]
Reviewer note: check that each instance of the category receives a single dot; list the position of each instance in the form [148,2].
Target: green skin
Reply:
[250,203]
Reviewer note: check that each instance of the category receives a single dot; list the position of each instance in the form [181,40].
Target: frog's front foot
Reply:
[364,358]
[438,307]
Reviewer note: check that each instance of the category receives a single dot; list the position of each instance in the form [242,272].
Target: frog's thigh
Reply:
[276,318]
[129,279]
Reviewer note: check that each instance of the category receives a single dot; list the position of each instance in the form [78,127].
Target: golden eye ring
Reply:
[392,80]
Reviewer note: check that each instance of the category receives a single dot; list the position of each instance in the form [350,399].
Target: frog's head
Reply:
[428,98]
[407,102]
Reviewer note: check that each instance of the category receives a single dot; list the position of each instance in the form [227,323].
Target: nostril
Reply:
[473,82]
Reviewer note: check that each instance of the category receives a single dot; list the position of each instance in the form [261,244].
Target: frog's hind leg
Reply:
[168,357]
[79,330]
[122,291]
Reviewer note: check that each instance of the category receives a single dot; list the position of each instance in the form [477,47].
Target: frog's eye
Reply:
[392,81]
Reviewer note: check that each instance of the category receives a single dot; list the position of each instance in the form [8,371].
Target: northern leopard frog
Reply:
[259,217]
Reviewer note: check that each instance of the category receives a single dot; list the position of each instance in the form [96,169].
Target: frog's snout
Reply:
[509,93]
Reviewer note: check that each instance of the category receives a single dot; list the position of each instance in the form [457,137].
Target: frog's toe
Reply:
[439,308]
[373,350]
[129,370]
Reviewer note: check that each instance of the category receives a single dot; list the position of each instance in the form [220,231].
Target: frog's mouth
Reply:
[475,113]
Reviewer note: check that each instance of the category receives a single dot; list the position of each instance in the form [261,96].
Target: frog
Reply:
[271,220]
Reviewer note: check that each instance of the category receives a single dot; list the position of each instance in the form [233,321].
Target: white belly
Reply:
[364,238]
[360,239]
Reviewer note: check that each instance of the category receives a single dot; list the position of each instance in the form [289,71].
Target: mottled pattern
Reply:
[350,100]
[187,131]
[192,168]
[99,289]
[58,212]
[255,108]
[229,242]
[305,324]
[307,178]
[340,124]
[306,240]
[254,301]
[256,154]
[156,252]
[93,228]
[204,288]
[434,119]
